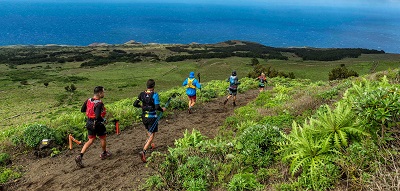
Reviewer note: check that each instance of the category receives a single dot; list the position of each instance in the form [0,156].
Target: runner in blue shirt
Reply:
[191,84]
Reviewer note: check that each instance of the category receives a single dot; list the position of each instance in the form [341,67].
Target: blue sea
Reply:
[71,23]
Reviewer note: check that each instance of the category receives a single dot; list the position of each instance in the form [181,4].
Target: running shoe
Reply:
[105,155]
[142,156]
[78,160]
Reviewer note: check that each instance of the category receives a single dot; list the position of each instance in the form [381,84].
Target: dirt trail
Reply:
[124,170]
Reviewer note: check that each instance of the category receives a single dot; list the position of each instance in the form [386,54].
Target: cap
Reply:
[191,75]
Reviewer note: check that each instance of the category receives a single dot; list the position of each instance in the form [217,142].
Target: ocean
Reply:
[41,23]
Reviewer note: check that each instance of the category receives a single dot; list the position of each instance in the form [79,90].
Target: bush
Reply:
[360,159]
[190,140]
[324,178]
[377,104]
[4,159]
[341,73]
[307,153]
[34,134]
[154,183]
[257,144]
[195,173]
[123,111]
[245,181]
[8,174]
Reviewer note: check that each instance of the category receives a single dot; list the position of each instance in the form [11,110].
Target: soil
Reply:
[123,170]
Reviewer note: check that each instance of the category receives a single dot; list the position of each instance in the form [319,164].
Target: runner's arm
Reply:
[137,101]
[83,109]
[185,82]
[97,110]
[156,99]
[198,85]
[159,108]
[237,81]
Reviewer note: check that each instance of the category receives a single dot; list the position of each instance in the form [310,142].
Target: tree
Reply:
[73,87]
[341,73]
[254,61]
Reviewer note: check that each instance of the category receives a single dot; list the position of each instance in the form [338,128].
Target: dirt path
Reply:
[124,170]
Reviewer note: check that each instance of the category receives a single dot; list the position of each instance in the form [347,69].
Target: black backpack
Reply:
[148,101]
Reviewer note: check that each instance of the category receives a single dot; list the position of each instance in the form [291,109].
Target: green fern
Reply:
[304,150]
[336,126]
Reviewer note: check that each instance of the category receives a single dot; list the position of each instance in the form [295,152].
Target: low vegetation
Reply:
[304,134]
[339,145]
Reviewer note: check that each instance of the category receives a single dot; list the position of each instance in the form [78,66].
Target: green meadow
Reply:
[311,133]
[25,98]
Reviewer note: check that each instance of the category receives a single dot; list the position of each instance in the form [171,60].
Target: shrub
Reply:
[377,104]
[34,134]
[123,111]
[324,178]
[245,181]
[329,94]
[195,172]
[257,144]
[307,152]
[4,159]
[8,174]
[70,123]
[341,73]
[359,162]
[337,126]
[154,183]
[263,98]
[190,140]
[178,98]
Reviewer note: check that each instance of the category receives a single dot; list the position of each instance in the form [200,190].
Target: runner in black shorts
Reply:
[150,105]
[95,112]
[233,87]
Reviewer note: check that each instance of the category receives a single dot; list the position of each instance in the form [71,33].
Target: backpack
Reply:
[233,82]
[90,107]
[190,83]
[147,100]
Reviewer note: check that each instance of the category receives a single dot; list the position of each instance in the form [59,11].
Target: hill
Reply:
[233,153]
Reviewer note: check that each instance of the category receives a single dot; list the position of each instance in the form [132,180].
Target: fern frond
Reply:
[337,141]
[297,164]
[343,137]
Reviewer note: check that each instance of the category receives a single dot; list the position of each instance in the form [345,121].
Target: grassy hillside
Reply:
[24,70]
[301,135]
[279,141]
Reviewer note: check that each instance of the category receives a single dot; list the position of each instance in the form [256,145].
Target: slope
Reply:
[124,170]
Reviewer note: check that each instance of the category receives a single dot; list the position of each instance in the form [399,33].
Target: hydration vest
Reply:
[262,79]
[190,83]
[233,84]
[90,106]
[148,101]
